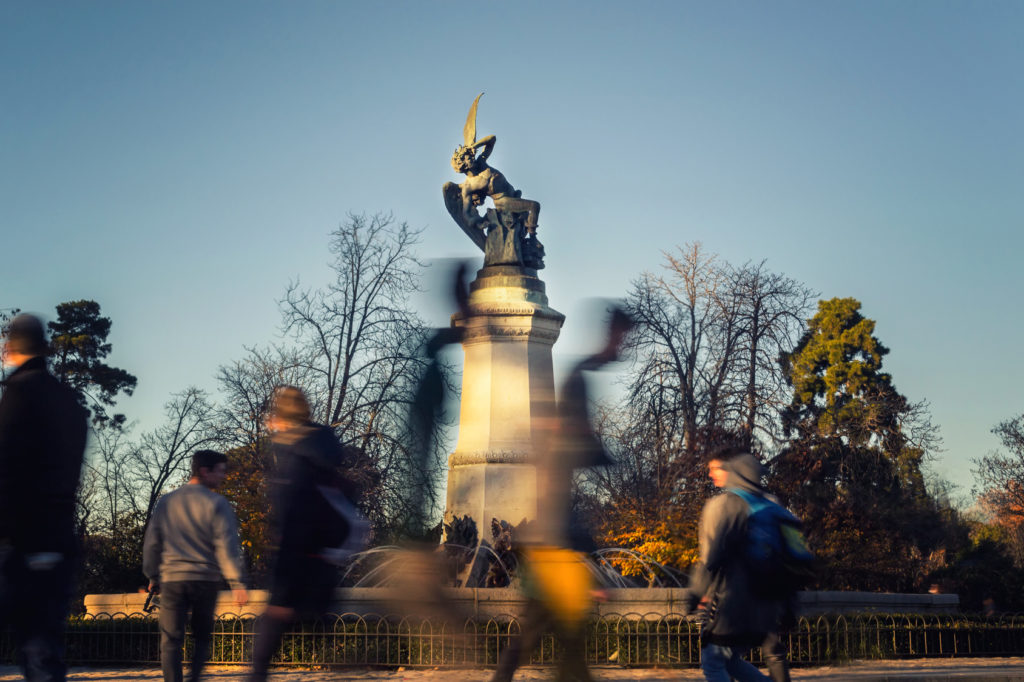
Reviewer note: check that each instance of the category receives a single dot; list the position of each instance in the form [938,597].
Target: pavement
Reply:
[919,670]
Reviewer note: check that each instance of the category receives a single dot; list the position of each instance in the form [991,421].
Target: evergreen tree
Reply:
[78,345]
[853,468]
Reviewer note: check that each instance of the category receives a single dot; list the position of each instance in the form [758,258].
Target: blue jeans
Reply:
[725,663]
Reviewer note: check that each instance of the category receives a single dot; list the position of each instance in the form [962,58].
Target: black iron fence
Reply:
[628,640]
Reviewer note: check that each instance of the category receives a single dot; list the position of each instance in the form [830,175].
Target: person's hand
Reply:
[43,561]
[241,596]
[283,613]
[154,587]
[600,596]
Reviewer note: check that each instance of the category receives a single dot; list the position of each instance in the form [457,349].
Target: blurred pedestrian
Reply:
[736,617]
[307,525]
[192,543]
[427,410]
[773,648]
[43,431]
[558,583]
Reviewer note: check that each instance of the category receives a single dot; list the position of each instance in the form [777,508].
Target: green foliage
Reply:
[853,467]
[1001,478]
[78,342]
[835,373]
[246,487]
[113,558]
[984,570]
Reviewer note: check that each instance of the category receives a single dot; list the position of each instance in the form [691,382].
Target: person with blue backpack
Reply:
[753,559]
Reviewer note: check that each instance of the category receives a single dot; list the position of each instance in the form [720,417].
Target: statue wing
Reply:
[453,202]
[469,130]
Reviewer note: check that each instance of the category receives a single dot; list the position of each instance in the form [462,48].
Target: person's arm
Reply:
[153,547]
[719,525]
[229,549]
[13,421]
[488,144]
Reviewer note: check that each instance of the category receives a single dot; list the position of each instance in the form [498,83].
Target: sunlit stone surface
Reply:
[507,397]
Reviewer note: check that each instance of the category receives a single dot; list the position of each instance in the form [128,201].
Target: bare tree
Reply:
[682,342]
[709,338]
[160,458]
[247,386]
[705,372]
[771,312]
[1000,475]
[106,491]
[6,315]
[354,347]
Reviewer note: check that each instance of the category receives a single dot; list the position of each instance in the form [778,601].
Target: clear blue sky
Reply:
[180,162]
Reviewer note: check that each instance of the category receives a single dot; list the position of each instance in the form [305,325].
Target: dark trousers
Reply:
[35,604]
[775,657]
[299,582]
[177,599]
[536,621]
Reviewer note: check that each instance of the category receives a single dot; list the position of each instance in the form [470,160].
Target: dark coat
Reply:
[302,523]
[43,431]
[307,456]
[737,616]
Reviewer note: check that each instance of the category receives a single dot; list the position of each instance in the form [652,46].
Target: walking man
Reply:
[736,619]
[191,544]
[42,441]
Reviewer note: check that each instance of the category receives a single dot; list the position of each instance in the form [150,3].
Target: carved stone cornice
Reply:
[500,333]
[510,309]
[490,457]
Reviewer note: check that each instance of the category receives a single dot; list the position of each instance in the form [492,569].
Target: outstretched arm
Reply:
[488,144]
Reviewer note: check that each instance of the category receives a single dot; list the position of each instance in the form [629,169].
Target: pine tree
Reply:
[853,468]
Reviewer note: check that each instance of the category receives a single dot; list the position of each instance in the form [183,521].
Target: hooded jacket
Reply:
[736,615]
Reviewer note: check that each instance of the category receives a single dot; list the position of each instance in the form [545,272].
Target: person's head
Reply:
[730,461]
[209,468]
[26,339]
[734,466]
[288,409]
[463,158]
[619,325]
[716,473]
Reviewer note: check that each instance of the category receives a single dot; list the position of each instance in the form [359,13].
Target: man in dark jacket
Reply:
[42,442]
[736,618]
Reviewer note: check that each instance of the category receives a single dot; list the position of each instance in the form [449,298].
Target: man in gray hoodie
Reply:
[736,619]
[191,545]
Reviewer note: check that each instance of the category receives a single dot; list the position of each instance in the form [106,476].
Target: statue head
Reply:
[463,158]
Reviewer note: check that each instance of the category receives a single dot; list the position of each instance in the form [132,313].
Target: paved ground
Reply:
[922,670]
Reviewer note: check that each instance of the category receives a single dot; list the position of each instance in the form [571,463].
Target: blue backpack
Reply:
[777,555]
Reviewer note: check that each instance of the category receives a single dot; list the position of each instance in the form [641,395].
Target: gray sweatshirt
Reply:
[193,535]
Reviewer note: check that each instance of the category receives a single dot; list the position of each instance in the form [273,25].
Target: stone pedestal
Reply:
[507,397]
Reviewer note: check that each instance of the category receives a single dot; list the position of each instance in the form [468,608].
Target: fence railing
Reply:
[629,639]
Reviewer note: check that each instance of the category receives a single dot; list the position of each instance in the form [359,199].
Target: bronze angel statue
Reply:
[507,233]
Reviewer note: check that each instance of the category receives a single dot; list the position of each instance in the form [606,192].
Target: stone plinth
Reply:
[507,397]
